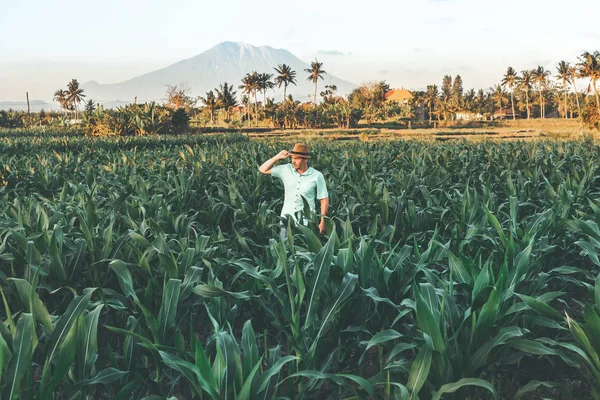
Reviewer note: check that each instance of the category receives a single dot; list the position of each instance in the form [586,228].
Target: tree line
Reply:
[535,93]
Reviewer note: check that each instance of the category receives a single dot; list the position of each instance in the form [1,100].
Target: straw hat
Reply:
[300,150]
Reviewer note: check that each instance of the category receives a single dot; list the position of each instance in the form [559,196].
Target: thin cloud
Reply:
[331,53]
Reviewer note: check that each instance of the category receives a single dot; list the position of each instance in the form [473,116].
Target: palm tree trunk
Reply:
[512,101]
[527,102]
[566,107]
[284,91]
[315,101]
[596,93]
[541,106]
[576,98]
[255,109]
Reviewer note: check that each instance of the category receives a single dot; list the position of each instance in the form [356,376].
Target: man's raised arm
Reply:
[267,165]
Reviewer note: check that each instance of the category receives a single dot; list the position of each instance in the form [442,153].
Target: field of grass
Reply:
[441,131]
[152,267]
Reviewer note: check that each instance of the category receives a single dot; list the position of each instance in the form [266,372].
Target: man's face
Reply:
[299,163]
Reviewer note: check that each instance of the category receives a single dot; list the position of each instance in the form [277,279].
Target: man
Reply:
[299,180]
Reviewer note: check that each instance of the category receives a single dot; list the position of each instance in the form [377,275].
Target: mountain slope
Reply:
[226,62]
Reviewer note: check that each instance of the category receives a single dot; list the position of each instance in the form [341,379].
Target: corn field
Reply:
[152,268]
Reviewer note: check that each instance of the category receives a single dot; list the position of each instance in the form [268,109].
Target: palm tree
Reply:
[573,76]
[226,96]
[498,95]
[75,94]
[90,106]
[212,103]
[469,100]
[61,97]
[589,67]
[315,72]
[526,84]
[564,75]
[510,81]
[250,86]
[540,78]
[265,83]
[285,76]
[430,98]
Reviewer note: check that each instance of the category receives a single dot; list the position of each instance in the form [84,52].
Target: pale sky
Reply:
[43,44]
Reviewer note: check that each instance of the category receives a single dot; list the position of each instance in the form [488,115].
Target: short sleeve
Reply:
[321,188]
[277,171]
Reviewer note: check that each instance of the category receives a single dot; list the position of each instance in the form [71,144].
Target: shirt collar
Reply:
[309,171]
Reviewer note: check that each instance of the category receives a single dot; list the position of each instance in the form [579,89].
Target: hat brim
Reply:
[299,154]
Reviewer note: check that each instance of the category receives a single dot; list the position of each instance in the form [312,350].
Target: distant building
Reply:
[504,113]
[401,96]
[468,116]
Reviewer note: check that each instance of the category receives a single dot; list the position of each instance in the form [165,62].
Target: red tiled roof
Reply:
[398,95]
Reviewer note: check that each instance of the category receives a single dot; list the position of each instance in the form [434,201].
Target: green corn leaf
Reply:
[592,322]
[87,342]
[589,250]
[189,370]
[244,393]
[312,240]
[5,353]
[321,265]
[453,387]
[207,379]
[582,339]
[264,379]
[104,377]
[213,291]
[428,323]
[168,309]
[344,291]
[20,362]
[63,326]
[39,310]
[249,347]
[192,276]
[480,356]
[139,239]
[419,369]
[533,385]
[64,360]
[458,269]
[541,307]
[487,318]
[10,320]
[229,360]
[496,224]
[340,379]
[382,337]
[126,392]
[597,291]
[124,276]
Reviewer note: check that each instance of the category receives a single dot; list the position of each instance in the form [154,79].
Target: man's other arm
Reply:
[324,208]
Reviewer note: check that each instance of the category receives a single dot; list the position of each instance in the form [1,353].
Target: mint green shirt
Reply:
[310,185]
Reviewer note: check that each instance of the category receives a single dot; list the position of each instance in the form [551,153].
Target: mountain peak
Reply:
[226,62]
